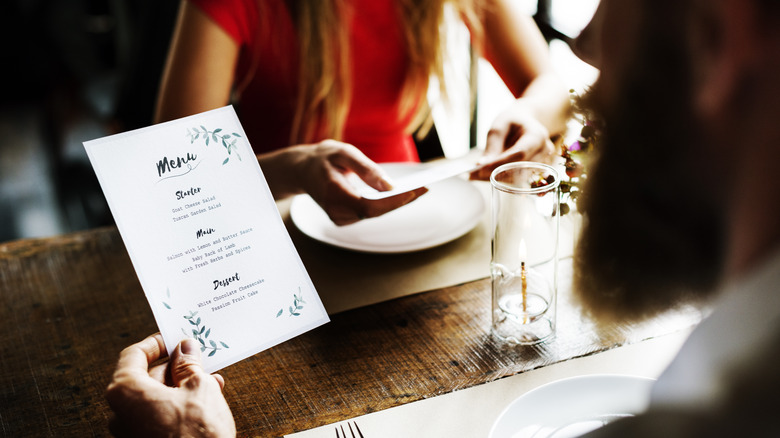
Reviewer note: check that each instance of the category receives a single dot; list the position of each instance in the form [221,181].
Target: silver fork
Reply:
[351,431]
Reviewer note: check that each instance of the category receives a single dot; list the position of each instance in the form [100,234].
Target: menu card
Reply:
[205,237]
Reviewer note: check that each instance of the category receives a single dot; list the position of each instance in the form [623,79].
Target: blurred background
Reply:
[76,70]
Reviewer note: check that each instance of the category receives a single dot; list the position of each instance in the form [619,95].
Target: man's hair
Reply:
[770,8]
[651,239]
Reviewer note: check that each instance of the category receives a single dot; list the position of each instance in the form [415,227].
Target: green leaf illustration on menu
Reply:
[228,140]
[297,306]
[201,333]
[168,295]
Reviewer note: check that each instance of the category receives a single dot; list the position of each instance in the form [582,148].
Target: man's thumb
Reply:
[185,361]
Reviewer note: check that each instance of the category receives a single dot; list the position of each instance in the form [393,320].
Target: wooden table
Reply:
[71,303]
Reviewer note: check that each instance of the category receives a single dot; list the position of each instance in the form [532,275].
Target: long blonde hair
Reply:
[324,73]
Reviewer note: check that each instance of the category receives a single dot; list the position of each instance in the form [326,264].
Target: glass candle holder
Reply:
[524,263]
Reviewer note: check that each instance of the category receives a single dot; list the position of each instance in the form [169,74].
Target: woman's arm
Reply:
[517,50]
[514,46]
[198,77]
[200,67]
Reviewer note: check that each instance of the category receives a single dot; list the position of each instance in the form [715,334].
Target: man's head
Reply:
[683,125]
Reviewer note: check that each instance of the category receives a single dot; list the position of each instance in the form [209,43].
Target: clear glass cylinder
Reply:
[524,264]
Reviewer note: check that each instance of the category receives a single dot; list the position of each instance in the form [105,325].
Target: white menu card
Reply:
[205,237]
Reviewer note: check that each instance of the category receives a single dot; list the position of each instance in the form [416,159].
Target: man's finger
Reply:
[220,380]
[159,373]
[185,361]
[132,372]
[136,358]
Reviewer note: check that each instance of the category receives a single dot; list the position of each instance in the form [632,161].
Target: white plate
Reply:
[574,406]
[450,209]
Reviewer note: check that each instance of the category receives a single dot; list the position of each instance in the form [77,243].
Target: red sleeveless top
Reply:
[269,53]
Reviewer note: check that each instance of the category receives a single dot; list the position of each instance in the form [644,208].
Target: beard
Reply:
[652,236]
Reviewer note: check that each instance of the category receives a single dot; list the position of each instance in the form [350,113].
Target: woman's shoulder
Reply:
[238,18]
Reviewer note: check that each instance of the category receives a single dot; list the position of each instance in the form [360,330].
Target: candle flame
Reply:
[522,251]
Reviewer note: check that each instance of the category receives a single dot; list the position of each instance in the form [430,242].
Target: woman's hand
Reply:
[175,398]
[323,170]
[515,136]
[517,50]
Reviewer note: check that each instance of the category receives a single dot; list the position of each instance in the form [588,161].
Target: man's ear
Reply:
[725,46]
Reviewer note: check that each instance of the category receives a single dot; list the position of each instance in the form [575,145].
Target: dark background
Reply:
[73,70]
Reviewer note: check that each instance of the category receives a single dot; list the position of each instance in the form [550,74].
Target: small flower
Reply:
[574,169]
[575,156]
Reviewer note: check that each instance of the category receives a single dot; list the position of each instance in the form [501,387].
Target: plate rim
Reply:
[562,381]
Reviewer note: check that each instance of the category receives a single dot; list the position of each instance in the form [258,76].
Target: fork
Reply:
[351,432]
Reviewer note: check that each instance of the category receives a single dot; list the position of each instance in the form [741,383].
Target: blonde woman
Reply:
[325,88]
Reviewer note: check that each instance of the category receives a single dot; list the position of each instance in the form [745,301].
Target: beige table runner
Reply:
[383,277]
[471,412]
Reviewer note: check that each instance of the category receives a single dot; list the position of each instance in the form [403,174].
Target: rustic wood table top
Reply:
[71,303]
